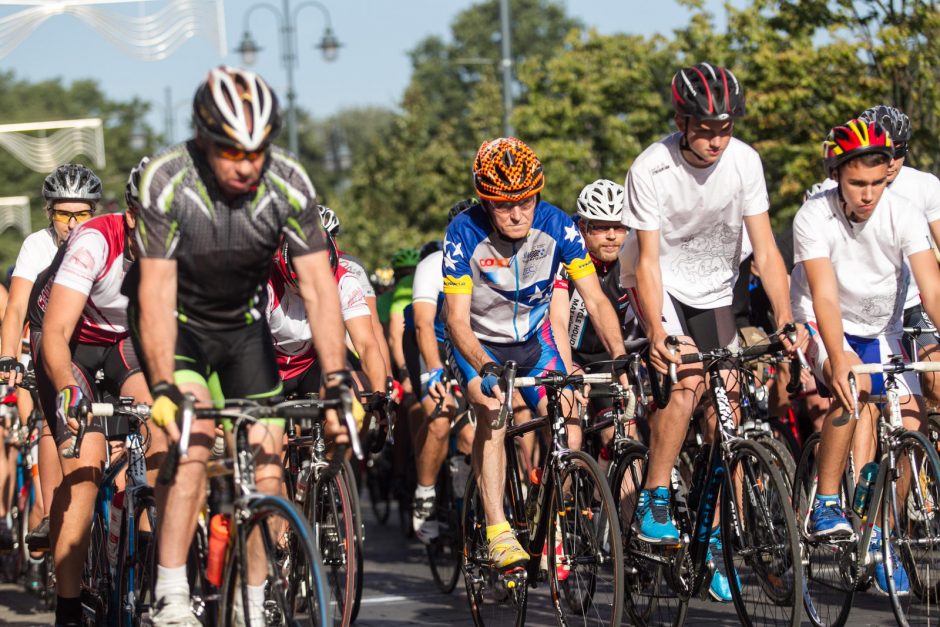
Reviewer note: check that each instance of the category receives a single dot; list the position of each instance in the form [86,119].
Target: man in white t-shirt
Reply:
[849,285]
[689,197]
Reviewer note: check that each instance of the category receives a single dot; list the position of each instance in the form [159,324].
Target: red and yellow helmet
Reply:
[506,169]
[854,139]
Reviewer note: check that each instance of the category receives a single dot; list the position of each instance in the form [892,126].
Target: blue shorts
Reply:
[535,356]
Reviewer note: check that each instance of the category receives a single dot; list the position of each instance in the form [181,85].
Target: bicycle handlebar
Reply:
[896,367]
[103,410]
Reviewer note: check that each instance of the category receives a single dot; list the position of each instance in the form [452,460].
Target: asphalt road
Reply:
[399,590]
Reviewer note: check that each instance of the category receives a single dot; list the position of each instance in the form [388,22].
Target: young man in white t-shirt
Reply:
[849,286]
[689,197]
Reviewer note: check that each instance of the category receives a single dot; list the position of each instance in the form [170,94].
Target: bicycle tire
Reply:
[649,598]
[781,455]
[330,512]
[379,486]
[136,567]
[96,575]
[915,521]
[587,586]
[352,486]
[760,542]
[444,552]
[490,602]
[295,589]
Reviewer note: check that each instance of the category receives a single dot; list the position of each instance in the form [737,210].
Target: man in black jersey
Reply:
[214,210]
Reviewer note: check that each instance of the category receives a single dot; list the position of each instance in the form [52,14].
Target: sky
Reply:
[372,67]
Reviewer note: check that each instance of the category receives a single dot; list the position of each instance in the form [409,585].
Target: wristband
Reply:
[338,377]
[620,364]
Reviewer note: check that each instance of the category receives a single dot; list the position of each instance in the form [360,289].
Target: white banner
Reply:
[14,212]
[69,139]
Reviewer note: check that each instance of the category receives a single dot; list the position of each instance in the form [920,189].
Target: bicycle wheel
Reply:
[96,574]
[831,573]
[586,574]
[136,566]
[330,511]
[295,583]
[492,601]
[649,598]
[760,541]
[781,456]
[911,498]
[360,535]
[444,552]
[378,482]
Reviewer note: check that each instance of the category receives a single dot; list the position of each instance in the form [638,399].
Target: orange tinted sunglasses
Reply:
[234,154]
[66,216]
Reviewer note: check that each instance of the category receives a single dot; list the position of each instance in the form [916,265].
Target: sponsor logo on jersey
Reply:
[494,262]
[539,252]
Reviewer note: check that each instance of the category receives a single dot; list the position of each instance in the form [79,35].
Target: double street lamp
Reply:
[287,18]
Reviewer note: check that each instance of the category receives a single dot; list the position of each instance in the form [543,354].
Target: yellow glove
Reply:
[166,400]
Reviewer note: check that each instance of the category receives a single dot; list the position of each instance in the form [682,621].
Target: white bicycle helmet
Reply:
[601,200]
[236,108]
[329,219]
[132,189]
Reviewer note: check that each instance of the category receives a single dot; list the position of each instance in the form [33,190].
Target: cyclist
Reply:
[849,285]
[71,193]
[922,191]
[500,261]
[290,327]
[431,437]
[216,206]
[391,307]
[599,219]
[84,330]
[689,198]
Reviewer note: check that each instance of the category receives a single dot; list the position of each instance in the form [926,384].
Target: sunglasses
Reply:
[900,151]
[234,154]
[65,217]
[603,228]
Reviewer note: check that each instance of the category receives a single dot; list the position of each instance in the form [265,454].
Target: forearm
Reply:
[12,329]
[427,344]
[649,287]
[467,344]
[831,331]
[607,325]
[366,346]
[56,357]
[396,333]
[159,341]
[777,286]
[379,333]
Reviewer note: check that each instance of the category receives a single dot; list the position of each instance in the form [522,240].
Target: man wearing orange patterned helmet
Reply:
[501,257]
[849,284]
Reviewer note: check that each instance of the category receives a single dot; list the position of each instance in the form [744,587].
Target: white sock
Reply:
[171,582]
[425,491]
[255,604]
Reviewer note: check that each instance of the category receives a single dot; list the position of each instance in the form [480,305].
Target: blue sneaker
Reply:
[653,521]
[719,589]
[901,582]
[827,519]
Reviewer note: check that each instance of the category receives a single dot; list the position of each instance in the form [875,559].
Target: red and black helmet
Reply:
[707,92]
[284,265]
[854,139]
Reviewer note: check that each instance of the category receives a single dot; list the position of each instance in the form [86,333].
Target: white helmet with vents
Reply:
[601,200]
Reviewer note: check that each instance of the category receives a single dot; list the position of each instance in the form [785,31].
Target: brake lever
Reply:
[508,384]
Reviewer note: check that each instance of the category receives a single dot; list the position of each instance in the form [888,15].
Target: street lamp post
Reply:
[286,18]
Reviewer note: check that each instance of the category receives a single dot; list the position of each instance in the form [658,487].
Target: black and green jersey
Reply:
[223,249]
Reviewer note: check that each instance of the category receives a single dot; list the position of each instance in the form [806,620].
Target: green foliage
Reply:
[21,101]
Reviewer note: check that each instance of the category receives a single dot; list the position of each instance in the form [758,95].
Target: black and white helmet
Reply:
[892,119]
[236,108]
[132,189]
[601,200]
[329,219]
[71,181]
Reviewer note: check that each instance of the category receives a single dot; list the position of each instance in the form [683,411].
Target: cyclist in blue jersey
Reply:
[500,261]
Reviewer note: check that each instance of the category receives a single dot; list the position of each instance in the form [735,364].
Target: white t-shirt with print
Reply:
[36,254]
[699,213]
[922,191]
[868,259]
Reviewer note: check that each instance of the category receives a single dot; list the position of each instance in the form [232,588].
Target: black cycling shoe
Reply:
[38,539]
[6,537]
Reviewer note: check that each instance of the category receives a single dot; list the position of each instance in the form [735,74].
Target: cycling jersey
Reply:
[223,248]
[428,287]
[699,213]
[396,299]
[355,267]
[511,281]
[35,254]
[290,328]
[867,257]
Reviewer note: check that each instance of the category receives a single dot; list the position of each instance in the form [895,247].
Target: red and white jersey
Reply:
[290,329]
[94,265]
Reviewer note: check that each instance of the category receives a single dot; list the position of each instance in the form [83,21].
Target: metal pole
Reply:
[168,116]
[290,58]
[507,66]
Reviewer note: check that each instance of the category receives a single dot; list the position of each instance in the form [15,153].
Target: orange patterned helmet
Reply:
[506,169]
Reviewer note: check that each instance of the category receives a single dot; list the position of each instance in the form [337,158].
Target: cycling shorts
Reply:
[117,362]
[535,356]
[708,328]
[874,350]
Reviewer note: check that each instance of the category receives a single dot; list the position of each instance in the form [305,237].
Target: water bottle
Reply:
[303,477]
[866,484]
[219,526]
[532,499]
[114,526]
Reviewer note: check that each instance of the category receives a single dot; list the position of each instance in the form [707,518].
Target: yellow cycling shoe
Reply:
[506,553]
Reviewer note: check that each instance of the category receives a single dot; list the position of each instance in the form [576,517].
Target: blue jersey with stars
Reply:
[511,281]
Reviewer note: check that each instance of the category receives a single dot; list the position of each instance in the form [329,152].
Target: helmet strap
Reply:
[685,145]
